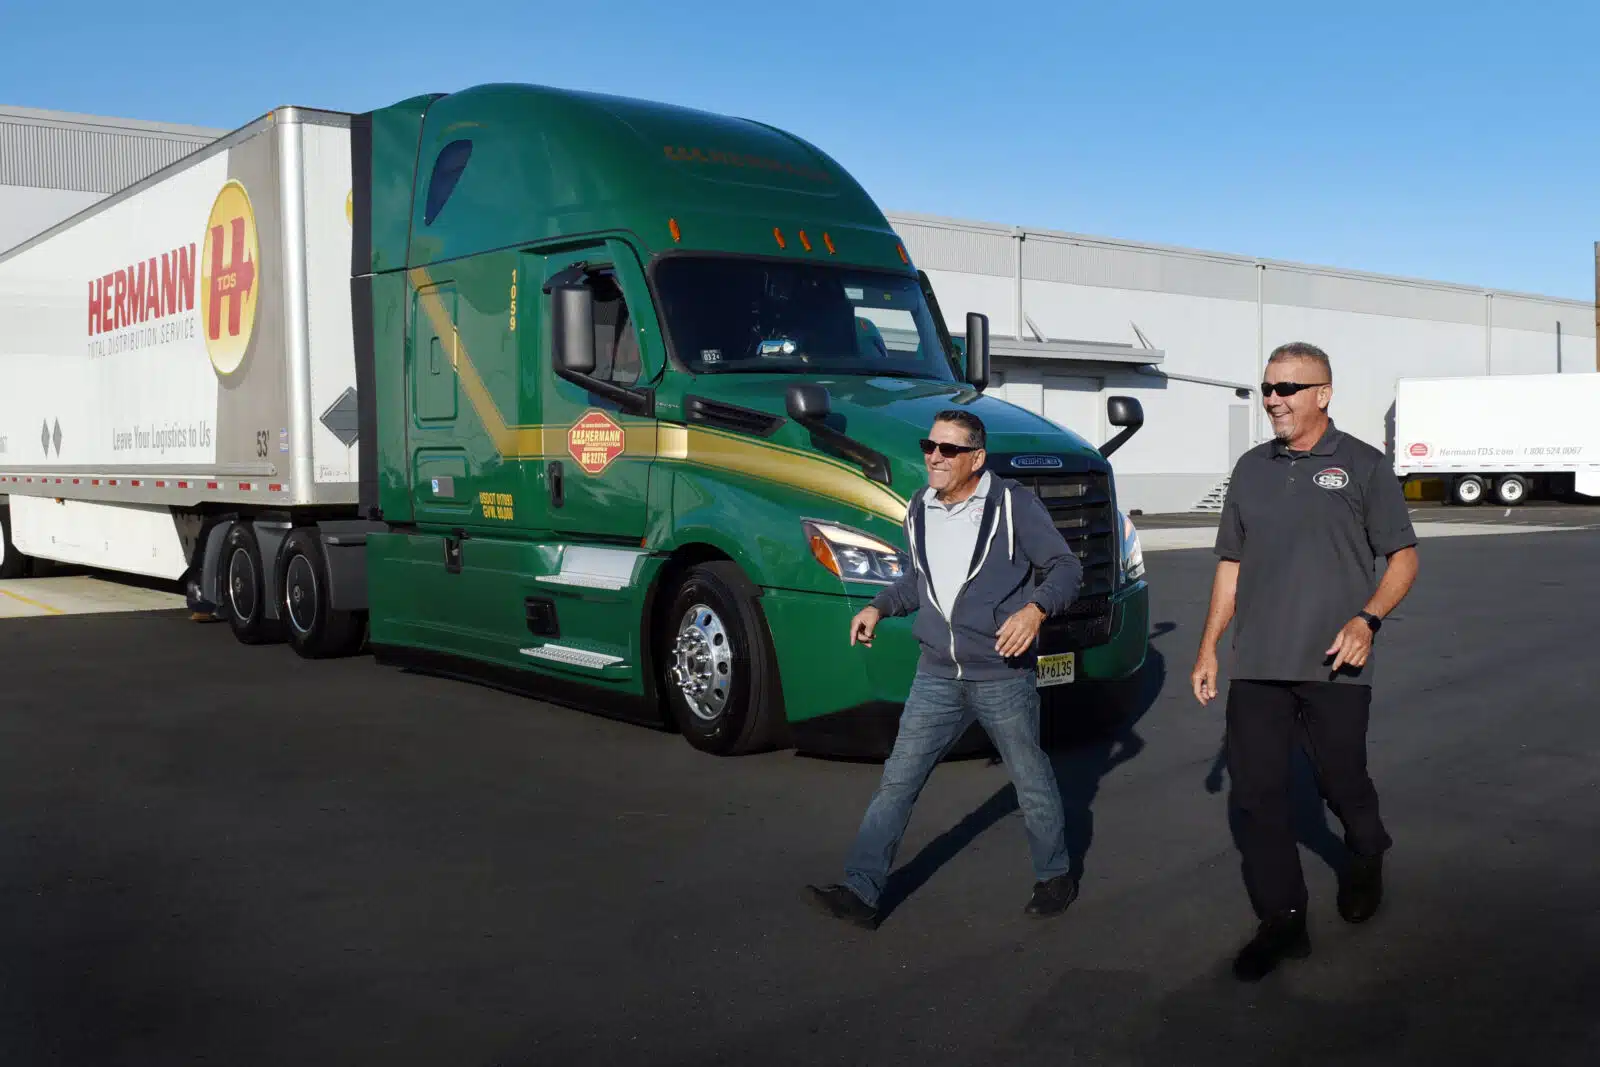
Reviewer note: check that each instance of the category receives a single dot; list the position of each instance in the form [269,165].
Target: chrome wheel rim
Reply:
[300,581]
[241,585]
[1511,492]
[702,663]
[1470,491]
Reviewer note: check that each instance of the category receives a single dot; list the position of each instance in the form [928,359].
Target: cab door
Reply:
[598,458]
[440,475]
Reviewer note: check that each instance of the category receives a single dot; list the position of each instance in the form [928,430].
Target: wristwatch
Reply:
[1373,622]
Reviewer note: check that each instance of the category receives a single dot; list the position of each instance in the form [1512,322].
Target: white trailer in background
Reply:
[1501,437]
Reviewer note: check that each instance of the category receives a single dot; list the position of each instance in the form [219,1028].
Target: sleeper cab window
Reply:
[447,170]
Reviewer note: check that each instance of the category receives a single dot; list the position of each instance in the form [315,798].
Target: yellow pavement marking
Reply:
[46,608]
[79,595]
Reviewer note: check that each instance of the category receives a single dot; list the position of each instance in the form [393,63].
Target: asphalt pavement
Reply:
[214,853]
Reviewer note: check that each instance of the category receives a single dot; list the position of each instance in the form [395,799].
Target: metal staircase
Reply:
[1212,501]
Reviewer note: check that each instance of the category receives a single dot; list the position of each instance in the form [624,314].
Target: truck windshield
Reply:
[753,316]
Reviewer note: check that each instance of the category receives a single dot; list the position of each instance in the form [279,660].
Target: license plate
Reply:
[1058,669]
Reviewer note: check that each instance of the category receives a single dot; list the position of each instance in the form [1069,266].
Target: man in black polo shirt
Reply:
[1306,516]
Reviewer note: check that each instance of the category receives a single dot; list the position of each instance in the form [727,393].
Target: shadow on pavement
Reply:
[1082,750]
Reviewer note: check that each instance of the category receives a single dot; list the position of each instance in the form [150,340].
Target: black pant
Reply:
[1261,734]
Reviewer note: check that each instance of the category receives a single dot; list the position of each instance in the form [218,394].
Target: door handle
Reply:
[557,493]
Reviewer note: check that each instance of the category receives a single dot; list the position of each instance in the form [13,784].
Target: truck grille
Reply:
[1080,505]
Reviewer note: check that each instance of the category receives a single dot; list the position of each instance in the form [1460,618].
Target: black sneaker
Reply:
[1278,938]
[841,902]
[1052,897]
[1361,891]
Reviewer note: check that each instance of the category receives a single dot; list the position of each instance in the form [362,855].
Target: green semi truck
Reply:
[633,402]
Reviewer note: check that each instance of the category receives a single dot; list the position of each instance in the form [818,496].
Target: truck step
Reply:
[572,657]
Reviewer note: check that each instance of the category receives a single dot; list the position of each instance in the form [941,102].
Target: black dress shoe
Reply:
[1052,897]
[1278,938]
[1362,889]
[841,902]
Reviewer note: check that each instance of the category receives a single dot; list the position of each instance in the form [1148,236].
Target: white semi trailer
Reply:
[1501,438]
[182,351]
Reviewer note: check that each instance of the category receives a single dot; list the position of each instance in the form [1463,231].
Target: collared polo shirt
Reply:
[951,533]
[1306,529]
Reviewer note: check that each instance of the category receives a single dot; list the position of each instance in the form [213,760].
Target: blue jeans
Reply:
[937,712]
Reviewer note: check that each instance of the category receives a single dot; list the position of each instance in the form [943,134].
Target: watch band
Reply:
[1373,622]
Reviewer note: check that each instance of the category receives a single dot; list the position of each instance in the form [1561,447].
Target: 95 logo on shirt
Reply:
[1332,478]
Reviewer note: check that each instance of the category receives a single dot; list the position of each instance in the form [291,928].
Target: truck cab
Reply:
[642,390]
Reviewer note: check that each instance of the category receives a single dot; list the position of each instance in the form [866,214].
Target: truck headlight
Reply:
[1131,555]
[853,555]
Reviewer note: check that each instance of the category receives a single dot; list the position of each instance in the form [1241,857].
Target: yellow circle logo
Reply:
[230,279]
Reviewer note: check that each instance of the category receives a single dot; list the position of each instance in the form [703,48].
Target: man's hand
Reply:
[1204,676]
[863,624]
[1019,631]
[1352,644]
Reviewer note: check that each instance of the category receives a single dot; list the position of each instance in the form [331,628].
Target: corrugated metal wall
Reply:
[47,150]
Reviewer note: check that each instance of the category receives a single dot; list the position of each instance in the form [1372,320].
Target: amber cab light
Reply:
[824,554]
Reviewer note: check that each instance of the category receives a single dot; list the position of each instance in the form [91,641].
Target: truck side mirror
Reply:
[977,350]
[807,402]
[572,311]
[1127,413]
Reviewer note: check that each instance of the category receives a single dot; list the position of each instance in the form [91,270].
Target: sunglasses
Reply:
[1288,388]
[946,449]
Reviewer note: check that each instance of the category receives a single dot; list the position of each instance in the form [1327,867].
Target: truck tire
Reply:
[1511,490]
[13,564]
[720,670]
[311,626]
[244,598]
[1468,490]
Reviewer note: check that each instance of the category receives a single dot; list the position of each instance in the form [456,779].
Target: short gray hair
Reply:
[1302,350]
[976,434]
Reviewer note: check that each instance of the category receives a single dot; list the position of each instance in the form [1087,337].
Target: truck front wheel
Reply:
[314,630]
[720,669]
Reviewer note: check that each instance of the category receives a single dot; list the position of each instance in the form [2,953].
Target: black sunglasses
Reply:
[1287,388]
[946,449]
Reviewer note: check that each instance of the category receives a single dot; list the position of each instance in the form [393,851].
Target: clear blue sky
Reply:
[1419,138]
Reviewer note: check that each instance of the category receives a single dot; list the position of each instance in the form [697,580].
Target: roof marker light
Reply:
[805,242]
[828,241]
[672,227]
[777,233]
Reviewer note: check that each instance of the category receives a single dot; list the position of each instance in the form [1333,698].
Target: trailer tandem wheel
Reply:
[244,601]
[1467,490]
[311,625]
[1511,489]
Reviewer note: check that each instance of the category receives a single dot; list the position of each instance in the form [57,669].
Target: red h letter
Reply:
[230,283]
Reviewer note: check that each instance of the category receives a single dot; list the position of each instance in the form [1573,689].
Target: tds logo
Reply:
[229,279]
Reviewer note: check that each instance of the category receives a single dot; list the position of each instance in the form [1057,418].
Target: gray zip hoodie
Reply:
[1016,535]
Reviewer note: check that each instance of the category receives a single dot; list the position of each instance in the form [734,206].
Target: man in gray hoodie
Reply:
[976,539]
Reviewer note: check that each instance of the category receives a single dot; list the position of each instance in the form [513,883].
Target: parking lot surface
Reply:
[214,853]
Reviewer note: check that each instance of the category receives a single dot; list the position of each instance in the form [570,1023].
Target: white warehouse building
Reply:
[1073,319]
[1076,319]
